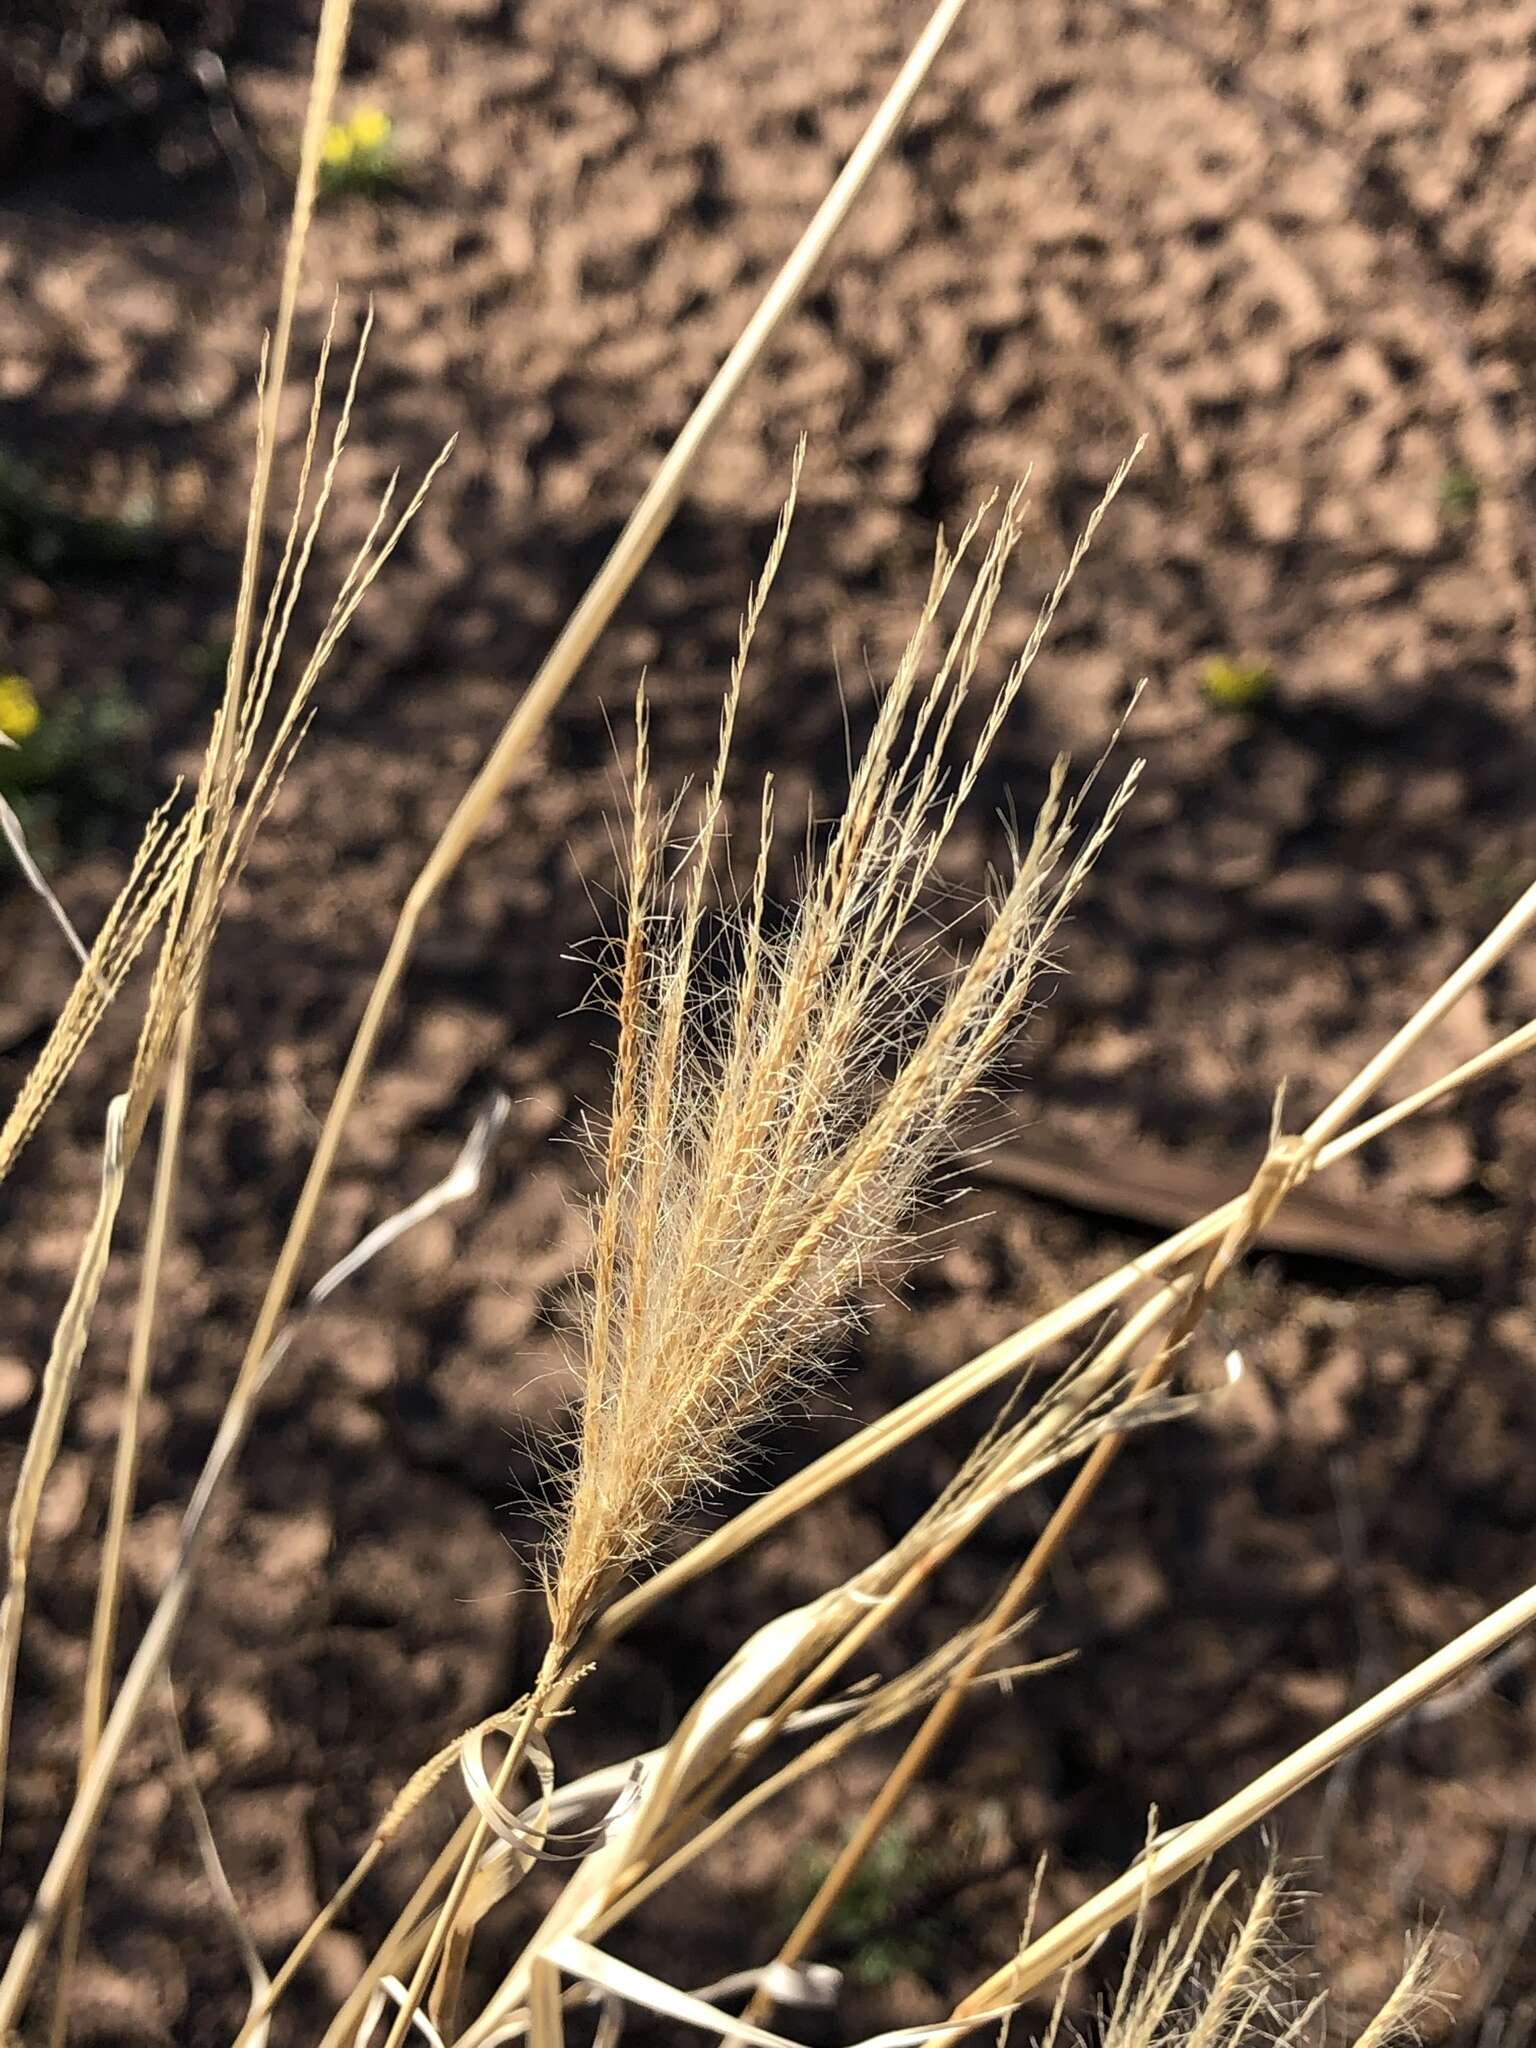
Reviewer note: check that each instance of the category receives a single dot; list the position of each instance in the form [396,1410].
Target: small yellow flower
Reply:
[1236,685]
[337,148]
[19,712]
[370,129]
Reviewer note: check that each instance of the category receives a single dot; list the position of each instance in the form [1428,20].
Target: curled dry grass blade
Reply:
[1216,1979]
[781,1672]
[692,1832]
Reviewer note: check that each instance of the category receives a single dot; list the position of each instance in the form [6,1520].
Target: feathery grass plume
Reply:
[764,1147]
[1202,1989]
[1192,1992]
[1408,2004]
[763,1150]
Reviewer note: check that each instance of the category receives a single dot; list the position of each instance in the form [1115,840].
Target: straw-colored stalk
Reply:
[901,1696]
[186,872]
[1186,1848]
[1204,1984]
[53,1405]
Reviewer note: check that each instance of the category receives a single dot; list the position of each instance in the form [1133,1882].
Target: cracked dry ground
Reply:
[1295,247]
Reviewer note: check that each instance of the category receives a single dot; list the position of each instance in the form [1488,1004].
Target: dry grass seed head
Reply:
[1202,1988]
[1196,1992]
[185,867]
[1408,2004]
[241,779]
[763,1151]
[162,864]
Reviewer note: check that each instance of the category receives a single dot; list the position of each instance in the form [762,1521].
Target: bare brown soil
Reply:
[1291,244]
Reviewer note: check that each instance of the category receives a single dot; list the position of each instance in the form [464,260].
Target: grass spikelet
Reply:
[1205,1989]
[1239,1989]
[1406,2005]
[1198,1993]
[244,766]
[182,877]
[48,1424]
[185,866]
[166,855]
[763,1150]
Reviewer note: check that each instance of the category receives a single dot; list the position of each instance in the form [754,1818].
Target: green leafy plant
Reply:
[359,155]
[874,1921]
[1460,493]
[1235,682]
[68,772]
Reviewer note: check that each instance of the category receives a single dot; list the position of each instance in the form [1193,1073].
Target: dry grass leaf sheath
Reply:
[767,1136]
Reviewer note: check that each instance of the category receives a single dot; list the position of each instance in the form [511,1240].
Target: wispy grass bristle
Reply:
[1208,1988]
[1413,1998]
[766,1142]
[167,854]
